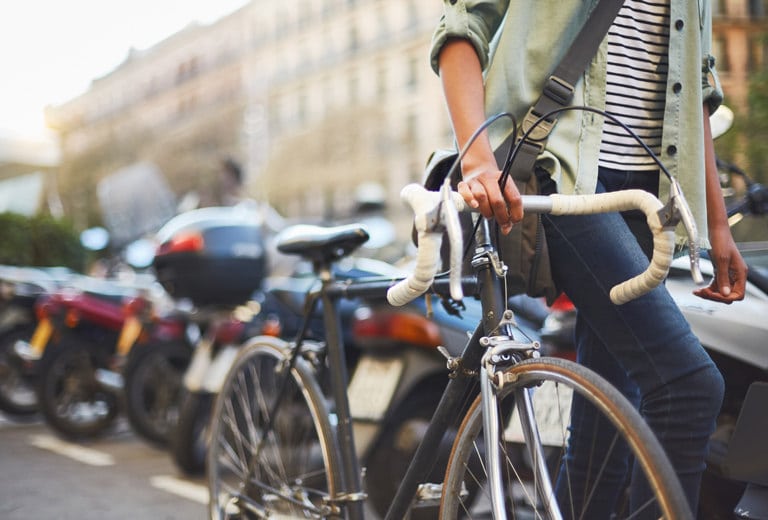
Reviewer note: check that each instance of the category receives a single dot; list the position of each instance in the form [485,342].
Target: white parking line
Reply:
[73,451]
[183,488]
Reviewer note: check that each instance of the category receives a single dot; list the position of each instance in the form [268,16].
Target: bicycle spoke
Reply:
[268,464]
[601,463]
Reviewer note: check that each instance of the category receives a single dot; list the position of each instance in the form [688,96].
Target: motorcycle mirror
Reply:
[721,121]
[95,238]
[140,253]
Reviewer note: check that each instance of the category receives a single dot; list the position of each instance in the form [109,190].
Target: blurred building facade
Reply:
[740,46]
[313,97]
[177,105]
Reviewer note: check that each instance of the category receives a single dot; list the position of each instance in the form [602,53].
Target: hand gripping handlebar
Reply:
[436,212]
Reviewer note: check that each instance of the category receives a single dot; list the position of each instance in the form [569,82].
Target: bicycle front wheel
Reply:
[272,451]
[591,483]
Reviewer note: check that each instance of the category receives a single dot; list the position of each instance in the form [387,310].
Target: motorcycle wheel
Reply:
[189,440]
[17,386]
[153,385]
[72,401]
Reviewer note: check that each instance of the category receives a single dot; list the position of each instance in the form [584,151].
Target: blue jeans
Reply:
[645,347]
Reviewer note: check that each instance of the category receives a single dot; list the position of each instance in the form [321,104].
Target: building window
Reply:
[413,14]
[381,82]
[354,89]
[301,107]
[757,8]
[412,81]
[354,38]
[719,8]
[187,70]
[411,133]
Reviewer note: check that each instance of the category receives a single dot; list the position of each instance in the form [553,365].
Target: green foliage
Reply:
[745,145]
[756,125]
[39,241]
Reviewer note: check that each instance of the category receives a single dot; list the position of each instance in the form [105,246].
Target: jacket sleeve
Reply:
[473,20]
[710,83]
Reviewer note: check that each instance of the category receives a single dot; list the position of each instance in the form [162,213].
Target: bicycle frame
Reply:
[486,285]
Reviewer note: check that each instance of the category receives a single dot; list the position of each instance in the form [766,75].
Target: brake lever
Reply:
[681,212]
[450,217]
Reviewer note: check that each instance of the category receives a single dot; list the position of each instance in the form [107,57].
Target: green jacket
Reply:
[520,42]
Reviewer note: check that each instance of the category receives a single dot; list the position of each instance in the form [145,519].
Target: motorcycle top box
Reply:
[212,256]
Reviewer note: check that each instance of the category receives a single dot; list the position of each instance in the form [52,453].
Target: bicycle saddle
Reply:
[321,244]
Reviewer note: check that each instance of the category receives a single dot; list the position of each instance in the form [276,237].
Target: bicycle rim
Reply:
[287,472]
[600,490]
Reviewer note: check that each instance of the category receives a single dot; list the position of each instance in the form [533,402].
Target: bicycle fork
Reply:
[501,350]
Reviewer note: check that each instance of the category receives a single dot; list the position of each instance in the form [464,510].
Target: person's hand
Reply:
[480,189]
[729,283]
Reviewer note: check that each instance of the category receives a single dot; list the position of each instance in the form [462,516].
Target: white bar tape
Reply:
[427,263]
[428,255]
[663,240]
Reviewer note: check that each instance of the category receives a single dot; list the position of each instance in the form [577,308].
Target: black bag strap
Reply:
[558,89]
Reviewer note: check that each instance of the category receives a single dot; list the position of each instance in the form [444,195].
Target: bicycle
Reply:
[282,436]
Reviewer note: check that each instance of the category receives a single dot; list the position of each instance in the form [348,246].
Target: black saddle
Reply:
[321,244]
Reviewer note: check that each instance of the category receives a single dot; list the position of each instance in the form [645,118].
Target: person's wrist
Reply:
[472,164]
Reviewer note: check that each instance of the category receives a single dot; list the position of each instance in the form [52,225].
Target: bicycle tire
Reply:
[523,495]
[295,473]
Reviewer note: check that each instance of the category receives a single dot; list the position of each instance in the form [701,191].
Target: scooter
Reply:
[736,481]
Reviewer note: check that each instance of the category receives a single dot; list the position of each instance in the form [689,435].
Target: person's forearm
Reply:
[717,217]
[464,91]
[462,79]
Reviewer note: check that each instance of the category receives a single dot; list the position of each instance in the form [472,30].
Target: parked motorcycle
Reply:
[20,287]
[77,355]
[215,260]
[159,347]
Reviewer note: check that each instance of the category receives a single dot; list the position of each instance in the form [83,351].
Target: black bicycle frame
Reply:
[447,412]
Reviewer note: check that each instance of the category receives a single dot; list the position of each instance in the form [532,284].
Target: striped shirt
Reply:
[636,83]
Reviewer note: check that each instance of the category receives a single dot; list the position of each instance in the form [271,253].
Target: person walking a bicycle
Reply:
[654,72]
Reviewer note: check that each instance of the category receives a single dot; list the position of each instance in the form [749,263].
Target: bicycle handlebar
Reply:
[433,208]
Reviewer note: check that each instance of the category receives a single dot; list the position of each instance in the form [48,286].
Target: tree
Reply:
[39,241]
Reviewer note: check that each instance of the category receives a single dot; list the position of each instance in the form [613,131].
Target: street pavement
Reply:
[118,476]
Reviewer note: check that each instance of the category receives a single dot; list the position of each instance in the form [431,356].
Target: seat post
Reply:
[351,474]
